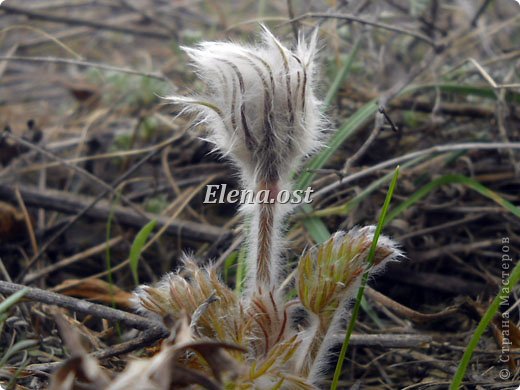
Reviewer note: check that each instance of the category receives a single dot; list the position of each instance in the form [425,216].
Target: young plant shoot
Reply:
[261,111]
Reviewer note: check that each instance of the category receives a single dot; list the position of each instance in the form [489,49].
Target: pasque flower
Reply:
[260,109]
[328,277]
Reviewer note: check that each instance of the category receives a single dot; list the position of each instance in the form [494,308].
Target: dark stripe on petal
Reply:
[269,70]
[267,99]
[287,80]
[304,69]
[250,141]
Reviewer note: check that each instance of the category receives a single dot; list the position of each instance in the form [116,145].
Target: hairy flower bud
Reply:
[328,277]
[260,107]
[329,274]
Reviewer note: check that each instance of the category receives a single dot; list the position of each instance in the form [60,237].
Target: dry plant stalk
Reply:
[262,113]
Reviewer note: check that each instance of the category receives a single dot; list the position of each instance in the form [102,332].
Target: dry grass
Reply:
[109,139]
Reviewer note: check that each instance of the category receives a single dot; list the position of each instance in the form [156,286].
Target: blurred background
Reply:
[90,154]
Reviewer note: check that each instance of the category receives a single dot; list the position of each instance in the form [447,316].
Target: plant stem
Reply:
[371,254]
[264,236]
[265,243]
[505,290]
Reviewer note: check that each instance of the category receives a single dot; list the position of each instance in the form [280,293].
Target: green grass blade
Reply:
[230,261]
[242,258]
[12,299]
[6,304]
[361,290]
[315,226]
[470,90]
[241,268]
[137,247]
[359,119]
[18,347]
[505,291]
[341,76]
[454,179]
[344,209]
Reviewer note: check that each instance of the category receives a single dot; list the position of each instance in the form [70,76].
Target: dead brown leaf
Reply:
[12,223]
[96,290]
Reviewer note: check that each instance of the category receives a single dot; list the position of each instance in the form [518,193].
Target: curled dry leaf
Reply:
[96,290]
[180,362]
[80,366]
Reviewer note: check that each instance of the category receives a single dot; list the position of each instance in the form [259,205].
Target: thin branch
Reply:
[72,259]
[37,15]
[357,19]
[488,77]
[380,118]
[60,145]
[361,151]
[429,24]
[28,222]
[388,119]
[144,340]
[104,193]
[406,311]
[390,340]
[151,17]
[85,307]
[81,171]
[399,160]
[70,204]
[479,12]
[294,23]
[58,60]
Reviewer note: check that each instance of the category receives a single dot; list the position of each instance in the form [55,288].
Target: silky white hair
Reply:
[260,108]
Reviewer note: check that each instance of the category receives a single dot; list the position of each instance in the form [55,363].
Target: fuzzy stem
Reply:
[328,336]
[265,243]
[307,349]
[264,238]
[310,348]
